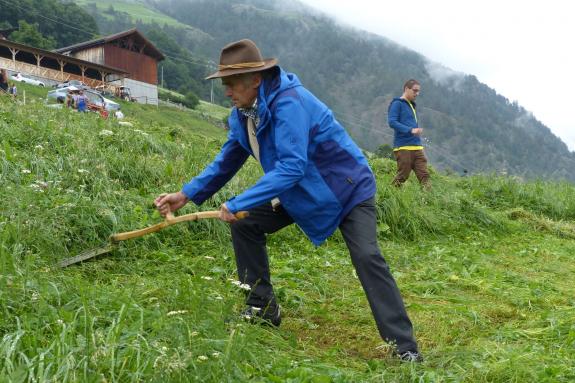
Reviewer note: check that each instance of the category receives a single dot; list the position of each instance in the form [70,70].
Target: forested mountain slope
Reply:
[468,124]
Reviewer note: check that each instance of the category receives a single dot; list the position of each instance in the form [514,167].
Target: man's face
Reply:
[242,90]
[411,94]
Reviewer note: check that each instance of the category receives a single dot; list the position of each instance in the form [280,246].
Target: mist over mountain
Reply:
[468,125]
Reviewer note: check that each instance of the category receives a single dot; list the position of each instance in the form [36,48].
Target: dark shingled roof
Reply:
[149,48]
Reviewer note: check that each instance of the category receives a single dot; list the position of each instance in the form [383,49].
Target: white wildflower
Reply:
[207,278]
[141,132]
[202,358]
[38,187]
[174,365]
[39,147]
[243,286]
[26,171]
[157,361]
[177,312]
[216,354]
[60,321]
[194,333]
[105,132]
[35,296]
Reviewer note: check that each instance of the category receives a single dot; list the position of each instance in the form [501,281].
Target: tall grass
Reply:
[484,263]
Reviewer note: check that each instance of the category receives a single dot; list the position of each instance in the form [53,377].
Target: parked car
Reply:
[95,100]
[27,80]
[77,83]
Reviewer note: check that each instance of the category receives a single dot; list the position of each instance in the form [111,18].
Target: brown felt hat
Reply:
[241,57]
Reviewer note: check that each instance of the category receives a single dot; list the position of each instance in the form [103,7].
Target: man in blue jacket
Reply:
[314,175]
[407,146]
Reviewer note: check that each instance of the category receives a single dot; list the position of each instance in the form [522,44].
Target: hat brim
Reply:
[268,63]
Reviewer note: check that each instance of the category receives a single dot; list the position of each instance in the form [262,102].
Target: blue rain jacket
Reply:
[309,161]
[401,119]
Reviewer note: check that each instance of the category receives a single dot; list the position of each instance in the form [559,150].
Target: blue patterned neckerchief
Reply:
[252,112]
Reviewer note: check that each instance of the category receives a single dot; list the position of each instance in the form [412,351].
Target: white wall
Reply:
[143,92]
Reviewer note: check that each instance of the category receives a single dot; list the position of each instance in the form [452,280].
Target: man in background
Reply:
[407,146]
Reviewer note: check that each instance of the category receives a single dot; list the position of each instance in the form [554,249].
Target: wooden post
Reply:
[103,77]
[14,52]
[38,59]
[83,69]
[62,63]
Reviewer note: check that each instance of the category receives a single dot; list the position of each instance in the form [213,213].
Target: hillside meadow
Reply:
[484,264]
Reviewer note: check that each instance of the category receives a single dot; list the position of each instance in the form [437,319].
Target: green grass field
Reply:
[483,263]
[135,9]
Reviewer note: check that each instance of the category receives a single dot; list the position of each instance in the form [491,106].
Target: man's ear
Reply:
[256,80]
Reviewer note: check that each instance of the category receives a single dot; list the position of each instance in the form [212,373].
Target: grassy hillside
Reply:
[483,263]
[137,9]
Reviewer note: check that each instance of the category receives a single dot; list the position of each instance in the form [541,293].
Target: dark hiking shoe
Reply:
[269,315]
[410,356]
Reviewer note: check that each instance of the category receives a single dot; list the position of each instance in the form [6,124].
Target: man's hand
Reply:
[226,215]
[166,203]
[417,131]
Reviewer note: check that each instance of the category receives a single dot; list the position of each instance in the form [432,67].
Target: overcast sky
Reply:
[525,50]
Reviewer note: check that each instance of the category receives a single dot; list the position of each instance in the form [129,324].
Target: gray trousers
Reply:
[359,231]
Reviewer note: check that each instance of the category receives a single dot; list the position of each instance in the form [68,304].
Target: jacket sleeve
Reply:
[393,118]
[226,164]
[291,126]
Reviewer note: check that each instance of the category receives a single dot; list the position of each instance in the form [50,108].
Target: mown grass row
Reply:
[484,264]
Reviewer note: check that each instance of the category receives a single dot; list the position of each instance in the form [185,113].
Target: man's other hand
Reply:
[417,131]
[226,215]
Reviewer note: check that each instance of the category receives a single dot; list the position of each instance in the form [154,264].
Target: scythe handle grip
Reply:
[169,221]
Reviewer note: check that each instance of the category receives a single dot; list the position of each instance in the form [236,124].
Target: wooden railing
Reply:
[45,73]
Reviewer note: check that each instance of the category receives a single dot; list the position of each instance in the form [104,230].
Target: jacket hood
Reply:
[403,100]
[277,82]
